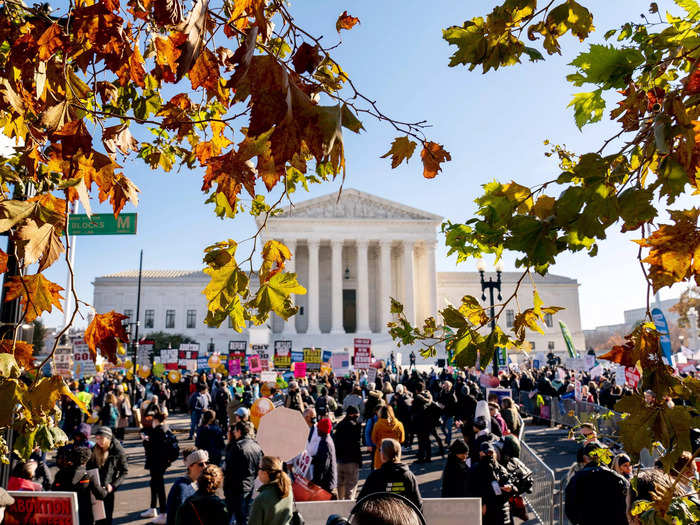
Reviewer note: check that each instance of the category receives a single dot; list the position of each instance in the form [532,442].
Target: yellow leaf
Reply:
[544,207]
[36,293]
[401,149]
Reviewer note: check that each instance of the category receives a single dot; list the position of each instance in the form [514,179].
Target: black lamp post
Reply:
[491,285]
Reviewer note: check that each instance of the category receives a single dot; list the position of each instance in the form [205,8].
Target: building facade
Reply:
[352,254]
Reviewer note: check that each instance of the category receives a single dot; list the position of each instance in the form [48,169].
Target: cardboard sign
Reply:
[632,376]
[254,364]
[299,370]
[83,365]
[312,358]
[589,361]
[268,376]
[283,354]
[371,377]
[326,369]
[36,508]
[363,353]
[63,361]
[302,464]
[234,367]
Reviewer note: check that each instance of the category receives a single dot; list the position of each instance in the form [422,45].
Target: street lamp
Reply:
[491,285]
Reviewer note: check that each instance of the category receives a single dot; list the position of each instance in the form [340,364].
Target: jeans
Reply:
[447,422]
[195,416]
[239,507]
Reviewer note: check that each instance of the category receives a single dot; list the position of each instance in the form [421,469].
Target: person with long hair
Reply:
[210,437]
[387,426]
[204,507]
[274,504]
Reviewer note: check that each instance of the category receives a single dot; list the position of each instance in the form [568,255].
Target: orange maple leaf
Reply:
[167,52]
[22,351]
[104,332]
[205,72]
[49,42]
[119,189]
[3,261]
[642,345]
[36,293]
[432,156]
[274,255]
[345,21]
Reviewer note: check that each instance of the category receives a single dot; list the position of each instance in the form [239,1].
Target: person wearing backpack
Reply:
[159,456]
[199,402]
[72,477]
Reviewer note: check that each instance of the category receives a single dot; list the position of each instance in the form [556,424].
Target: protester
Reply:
[274,505]
[393,476]
[387,426]
[492,484]
[157,461]
[22,475]
[622,464]
[124,410]
[243,457]
[185,486]
[198,403]
[109,458]
[510,416]
[204,507]
[456,475]
[211,438]
[72,477]
[347,438]
[324,471]
[108,413]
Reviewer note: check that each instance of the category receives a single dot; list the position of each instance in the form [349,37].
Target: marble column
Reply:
[384,284]
[362,287]
[312,326]
[408,270]
[337,287]
[431,275]
[290,326]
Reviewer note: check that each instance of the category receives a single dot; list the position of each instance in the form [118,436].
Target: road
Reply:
[133,497]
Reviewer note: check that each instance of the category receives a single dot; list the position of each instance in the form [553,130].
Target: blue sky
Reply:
[493,125]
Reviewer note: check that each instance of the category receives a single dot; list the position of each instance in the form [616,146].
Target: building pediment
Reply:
[354,204]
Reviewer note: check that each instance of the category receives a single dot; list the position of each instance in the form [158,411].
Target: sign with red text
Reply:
[283,354]
[363,353]
[234,367]
[632,376]
[254,364]
[83,365]
[42,508]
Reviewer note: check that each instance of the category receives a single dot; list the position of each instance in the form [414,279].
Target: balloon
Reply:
[265,390]
[158,369]
[214,361]
[261,407]
[174,376]
[379,364]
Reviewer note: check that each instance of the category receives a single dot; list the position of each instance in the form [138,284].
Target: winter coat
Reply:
[242,460]
[115,468]
[270,508]
[455,478]
[155,449]
[109,415]
[486,474]
[76,480]
[384,429]
[182,489]
[347,437]
[211,439]
[512,419]
[324,470]
[393,477]
[202,509]
[596,495]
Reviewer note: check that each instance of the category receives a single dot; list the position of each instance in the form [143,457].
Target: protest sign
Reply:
[326,356]
[203,363]
[340,363]
[312,358]
[83,365]
[234,367]
[57,508]
[620,378]
[144,353]
[398,358]
[498,392]
[632,376]
[254,364]
[297,356]
[596,371]
[363,353]
[326,369]
[283,433]
[283,354]
[371,377]
[299,370]
[589,361]
[578,393]
[63,361]
[302,464]
[575,363]
[186,354]
[267,376]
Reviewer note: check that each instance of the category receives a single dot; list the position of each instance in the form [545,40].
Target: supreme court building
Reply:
[352,255]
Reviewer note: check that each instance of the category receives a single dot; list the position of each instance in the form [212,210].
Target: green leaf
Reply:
[273,296]
[606,66]
[533,53]
[350,121]
[588,107]
[8,366]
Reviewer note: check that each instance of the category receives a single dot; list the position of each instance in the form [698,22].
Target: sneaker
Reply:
[162,519]
[150,513]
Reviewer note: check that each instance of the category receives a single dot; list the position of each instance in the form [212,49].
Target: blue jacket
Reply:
[180,491]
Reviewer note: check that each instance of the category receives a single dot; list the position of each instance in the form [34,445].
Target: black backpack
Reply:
[322,405]
[172,447]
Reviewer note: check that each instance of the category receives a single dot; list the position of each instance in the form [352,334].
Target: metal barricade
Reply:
[541,499]
[569,412]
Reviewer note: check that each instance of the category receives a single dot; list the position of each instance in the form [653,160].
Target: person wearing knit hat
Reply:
[109,457]
[324,470]
[185,486]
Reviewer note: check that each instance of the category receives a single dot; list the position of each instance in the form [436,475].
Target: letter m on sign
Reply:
[123,223]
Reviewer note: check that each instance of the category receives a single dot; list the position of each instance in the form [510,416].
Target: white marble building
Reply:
[351,255]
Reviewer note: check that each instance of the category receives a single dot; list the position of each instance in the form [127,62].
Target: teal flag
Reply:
[567,339]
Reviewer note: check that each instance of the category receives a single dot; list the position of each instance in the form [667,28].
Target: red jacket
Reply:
[22,484]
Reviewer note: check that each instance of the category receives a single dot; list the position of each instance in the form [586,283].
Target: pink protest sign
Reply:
[254,364]
[234,367]
[299,370]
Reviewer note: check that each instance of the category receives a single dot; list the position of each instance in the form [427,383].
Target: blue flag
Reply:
[665,339]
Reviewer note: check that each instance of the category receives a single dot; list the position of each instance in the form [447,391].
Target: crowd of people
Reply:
[352,423]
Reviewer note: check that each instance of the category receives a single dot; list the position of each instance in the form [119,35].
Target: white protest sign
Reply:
[267,376]
[371,376]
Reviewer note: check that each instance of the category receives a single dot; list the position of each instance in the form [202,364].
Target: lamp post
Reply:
[693,329]
[491,285]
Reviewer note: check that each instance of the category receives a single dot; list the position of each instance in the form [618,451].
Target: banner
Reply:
[567,339]
[363,353]
[83,365]
[299,370]
[234,367]
[185,356]
[236,350]
[340,363]
[56,508]
[254,364]
[665,339]
[63,361]
[312,358]
[283,354]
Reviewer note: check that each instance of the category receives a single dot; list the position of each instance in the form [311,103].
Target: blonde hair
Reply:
[273,467]
[111,398]
[386,412]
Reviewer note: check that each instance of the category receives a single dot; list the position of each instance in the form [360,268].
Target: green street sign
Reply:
[102,224]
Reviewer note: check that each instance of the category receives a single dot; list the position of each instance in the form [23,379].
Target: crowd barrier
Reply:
[541,499]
